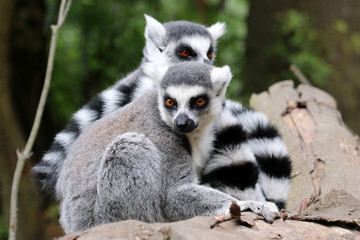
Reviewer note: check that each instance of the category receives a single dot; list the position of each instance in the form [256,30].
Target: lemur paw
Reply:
[261,208]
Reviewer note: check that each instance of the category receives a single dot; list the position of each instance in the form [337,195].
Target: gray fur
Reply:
[178,29]
[47,170]
[132,165]
[187,78]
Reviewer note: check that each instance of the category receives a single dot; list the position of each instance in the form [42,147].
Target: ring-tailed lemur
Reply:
[250,161]
[166,44]
[138,162]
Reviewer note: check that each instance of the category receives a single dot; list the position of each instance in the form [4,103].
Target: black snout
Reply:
[183,124]
[207,61]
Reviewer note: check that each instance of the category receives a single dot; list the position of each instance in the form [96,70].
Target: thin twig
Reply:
[66,11]
[26,153]
[300,75]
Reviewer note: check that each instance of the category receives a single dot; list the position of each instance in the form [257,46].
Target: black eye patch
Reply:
[184,51]
[169,102]
[199,102]
[210,53]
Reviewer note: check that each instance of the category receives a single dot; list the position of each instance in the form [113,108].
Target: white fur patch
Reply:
[238,155]
[65,139]
[251,119]
[221,78]
[217,30]
[274,147]
[227,118]
[145,85]
[200,44]
[229,104]
[84,117]
[52,157]
[154,31]
[201,144]
[274,188]
[155,72]
[111,97]
[246,194]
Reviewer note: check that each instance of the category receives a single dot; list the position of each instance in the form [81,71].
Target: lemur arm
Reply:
[190,200]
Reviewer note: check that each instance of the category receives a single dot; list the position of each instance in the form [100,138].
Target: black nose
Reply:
[207,61]
[183,124]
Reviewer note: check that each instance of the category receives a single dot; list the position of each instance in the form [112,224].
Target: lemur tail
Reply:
[239,129]
[46,172]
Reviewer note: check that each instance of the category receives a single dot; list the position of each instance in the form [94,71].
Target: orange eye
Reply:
[200,102]
[185,52]
[169,102]
[210,54]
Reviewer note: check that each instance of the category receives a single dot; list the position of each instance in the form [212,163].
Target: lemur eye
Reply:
[210,54]
[185,52]
[200,102]
[169,102]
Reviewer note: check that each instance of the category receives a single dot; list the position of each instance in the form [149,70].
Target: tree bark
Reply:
[325,155]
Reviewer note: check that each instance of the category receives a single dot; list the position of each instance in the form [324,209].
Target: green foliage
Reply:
[341,26]
[102,40]
[231,47]
[355,42]
[4,229]
[300,46]
[52,213]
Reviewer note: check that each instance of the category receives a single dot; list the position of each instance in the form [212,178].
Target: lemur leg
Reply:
[129,181]
[189,200]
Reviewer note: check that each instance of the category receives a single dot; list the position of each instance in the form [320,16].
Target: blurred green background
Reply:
[102,41]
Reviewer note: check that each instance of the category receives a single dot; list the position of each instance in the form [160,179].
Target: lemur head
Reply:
[180,41]
[190,95]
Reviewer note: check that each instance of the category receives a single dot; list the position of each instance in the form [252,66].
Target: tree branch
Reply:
[26,153]
[300,75]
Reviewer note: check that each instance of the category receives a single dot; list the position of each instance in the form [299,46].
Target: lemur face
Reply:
[185,108]
[190,48]
[190,95]
[180,41]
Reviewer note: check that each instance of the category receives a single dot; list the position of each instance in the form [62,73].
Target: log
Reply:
[325,155]
[324,194]
[200,228]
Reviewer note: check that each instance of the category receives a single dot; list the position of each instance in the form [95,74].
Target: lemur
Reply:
[137,162]
[250,161]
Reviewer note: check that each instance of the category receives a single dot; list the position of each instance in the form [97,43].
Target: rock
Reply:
[200,228]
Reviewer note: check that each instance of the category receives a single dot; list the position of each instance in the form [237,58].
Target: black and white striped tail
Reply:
[47,170]
[250,161]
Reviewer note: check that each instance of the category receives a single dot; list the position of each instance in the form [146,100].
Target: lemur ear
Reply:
[217,30]
[154,31]
[220,78]
[155,71]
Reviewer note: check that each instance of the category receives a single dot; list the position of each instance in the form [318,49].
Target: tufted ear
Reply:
[154,32]
[217,30]
[155,71]
[220,78]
